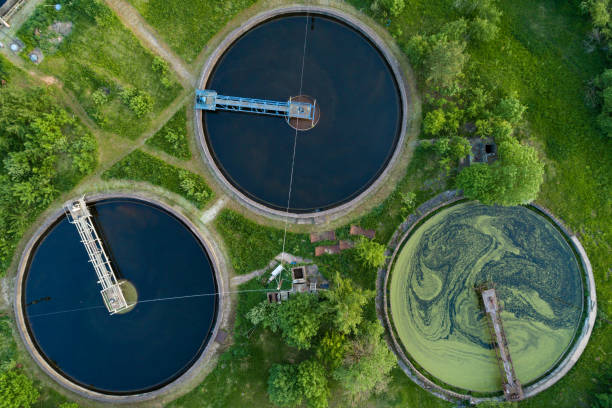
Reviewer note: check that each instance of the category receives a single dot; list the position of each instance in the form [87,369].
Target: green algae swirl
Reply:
[435,309]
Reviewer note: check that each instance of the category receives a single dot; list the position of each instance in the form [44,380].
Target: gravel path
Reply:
[141,29]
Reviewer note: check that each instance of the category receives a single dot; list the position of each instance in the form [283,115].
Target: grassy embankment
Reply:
[172,137]
[141,166]
[101,61]
[187,27]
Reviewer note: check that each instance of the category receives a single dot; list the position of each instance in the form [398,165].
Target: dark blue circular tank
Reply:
[145,348]
[360,113]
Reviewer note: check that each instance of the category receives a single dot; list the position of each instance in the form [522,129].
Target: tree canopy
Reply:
[371,253]
[298,319]
[367,365]
[16,390]
[345,304]
[283,388]
[43,150]
[514,179]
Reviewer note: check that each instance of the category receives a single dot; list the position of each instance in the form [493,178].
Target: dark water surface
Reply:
[360,113]
[140,350]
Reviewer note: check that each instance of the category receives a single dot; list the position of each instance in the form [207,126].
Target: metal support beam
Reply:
[211,101]
[78,214]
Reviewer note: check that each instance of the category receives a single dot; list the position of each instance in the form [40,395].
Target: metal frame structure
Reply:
[513,391]
[78,214]
[211,101]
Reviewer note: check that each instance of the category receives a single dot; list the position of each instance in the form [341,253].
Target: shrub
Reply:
[444,63]
[139,102]
[371,253]
[16,390]
[283,388]
[408,203]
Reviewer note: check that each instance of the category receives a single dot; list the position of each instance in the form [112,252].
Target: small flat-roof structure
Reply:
[357,230]
[327,249]
[344,245]
[322,236]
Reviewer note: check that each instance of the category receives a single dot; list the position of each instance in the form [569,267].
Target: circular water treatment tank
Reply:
[145,348]
[358,113]
[435,308]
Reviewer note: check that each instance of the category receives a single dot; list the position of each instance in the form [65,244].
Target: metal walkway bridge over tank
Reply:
[211,101]
[78,214]
[513,391]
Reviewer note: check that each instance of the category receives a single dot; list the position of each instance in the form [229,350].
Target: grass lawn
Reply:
[251,246]
[187,26]
[98,60]
[141,166]
[172,138]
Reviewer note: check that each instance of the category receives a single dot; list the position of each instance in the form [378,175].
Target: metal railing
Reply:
[78,215]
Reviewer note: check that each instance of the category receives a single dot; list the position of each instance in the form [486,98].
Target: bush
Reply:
[408,203]
[160,66]
[371,253]
[16,390]
[139,102]
[444,63]
[283,388]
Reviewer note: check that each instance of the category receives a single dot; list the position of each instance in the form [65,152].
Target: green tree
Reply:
[300,318]
[442,146]
[518,175]
[345,304]
[331,349]
[393,7]
[459,147]
[367,365]
[476,182]
[510,109]
[16,390]
[445,62]
[434,122]
[371,253]
[312,381]
[483,30]
[514,179]
[283,387]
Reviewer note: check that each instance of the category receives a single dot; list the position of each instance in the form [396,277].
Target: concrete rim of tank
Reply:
[406,97]
[212,251]
[566,362]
